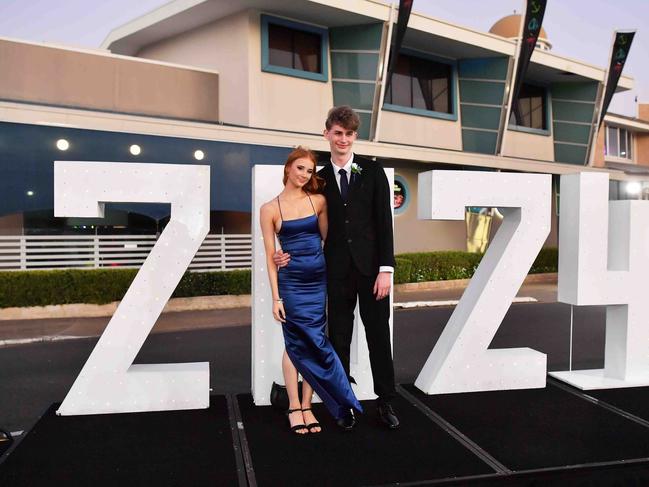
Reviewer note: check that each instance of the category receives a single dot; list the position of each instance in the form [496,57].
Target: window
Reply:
[619,143]
[421,85]
[294,49]
[530,110]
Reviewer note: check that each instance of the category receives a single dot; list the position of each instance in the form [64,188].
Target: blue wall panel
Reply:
[28,152]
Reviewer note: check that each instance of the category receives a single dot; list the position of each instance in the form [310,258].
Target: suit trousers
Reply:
[375,314]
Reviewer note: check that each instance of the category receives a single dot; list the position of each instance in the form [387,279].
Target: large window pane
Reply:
[401,85]
[441,95]
[629,145]
[612,146]
[421,83]
[530,110]
[280,46]
[622,137]
[307,51]
[295,49]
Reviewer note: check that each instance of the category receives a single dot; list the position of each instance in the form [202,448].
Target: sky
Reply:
[580,29]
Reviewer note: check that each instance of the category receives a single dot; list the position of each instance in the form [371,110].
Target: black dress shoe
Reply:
[387,416]
[347,422]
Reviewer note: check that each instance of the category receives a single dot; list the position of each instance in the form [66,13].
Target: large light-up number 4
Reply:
[604,260]
[460,361]
[108,382]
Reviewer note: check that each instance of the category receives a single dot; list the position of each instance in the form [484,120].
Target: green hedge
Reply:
[100,286]
[402,271]
[445,265]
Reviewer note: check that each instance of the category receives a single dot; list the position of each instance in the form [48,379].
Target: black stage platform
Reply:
[545,437]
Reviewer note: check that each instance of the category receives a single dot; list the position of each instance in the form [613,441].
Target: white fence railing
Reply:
[217,253]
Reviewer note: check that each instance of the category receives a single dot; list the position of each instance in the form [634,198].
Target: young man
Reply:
[359,252]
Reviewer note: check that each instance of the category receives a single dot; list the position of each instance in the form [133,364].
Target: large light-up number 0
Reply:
[460,360]
[109,382]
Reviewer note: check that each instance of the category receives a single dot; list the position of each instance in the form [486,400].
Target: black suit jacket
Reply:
[360,233]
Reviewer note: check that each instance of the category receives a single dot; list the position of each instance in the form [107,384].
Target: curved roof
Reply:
[509,27]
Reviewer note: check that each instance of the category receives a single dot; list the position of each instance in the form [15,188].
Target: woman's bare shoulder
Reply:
[269,208]
[319,199]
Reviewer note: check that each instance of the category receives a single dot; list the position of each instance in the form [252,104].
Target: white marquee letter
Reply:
[460,360]
[604,260]
[109,382]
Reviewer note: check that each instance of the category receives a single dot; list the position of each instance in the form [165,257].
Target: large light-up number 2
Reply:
[109,381]
[460,360]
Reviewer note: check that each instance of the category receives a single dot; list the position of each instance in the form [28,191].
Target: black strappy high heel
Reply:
[298,427]
[311,426]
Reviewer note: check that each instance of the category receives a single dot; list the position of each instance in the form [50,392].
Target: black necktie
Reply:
[344,184]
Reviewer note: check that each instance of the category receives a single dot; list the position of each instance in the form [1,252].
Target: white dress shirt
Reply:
[348,169]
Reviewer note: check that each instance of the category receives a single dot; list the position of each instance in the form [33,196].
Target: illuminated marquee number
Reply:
[460,360]
[604,260]
[109,381]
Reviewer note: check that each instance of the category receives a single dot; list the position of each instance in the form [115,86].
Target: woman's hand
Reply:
[278,311]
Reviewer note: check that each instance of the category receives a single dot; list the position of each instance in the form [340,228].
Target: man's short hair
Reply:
[344,116]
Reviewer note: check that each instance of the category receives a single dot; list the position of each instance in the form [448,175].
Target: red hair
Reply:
[316,183]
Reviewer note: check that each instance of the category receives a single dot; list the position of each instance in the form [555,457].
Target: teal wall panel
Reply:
[568,132]
[361,37]
[356,95]
[482,92]
[568,106]
[480,117]
[573,112]
[575,91]
[484,68]
[354,65]
[478,141]
[364,129]
[570,154]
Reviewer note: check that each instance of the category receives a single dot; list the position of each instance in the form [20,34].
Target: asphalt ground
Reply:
[34,375]
[13,332]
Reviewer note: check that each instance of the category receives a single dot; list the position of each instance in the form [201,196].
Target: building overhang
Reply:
[424,32]
[630,123]
[629,168]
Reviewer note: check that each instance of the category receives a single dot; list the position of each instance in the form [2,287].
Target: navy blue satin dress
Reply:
[303,287]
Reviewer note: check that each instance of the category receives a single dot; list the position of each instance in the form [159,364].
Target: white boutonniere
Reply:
[356,169]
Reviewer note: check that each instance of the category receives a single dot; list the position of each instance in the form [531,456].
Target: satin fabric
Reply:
[303,287]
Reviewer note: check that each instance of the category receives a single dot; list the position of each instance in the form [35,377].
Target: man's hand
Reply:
[281,259]
[382,285]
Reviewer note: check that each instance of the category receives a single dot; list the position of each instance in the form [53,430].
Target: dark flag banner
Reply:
[531,30]
[621,47]
[405,6]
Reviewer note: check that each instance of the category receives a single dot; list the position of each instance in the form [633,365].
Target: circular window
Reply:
[401,195]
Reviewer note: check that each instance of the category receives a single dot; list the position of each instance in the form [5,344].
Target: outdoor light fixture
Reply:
[135,149]
[30,193]
[62,144]
[633,188]
[199,155]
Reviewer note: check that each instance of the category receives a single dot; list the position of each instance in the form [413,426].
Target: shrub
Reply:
[100,286]
[445,265]
[546,261]
[402,270]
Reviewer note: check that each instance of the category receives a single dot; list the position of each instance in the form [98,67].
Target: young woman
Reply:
[298,216]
